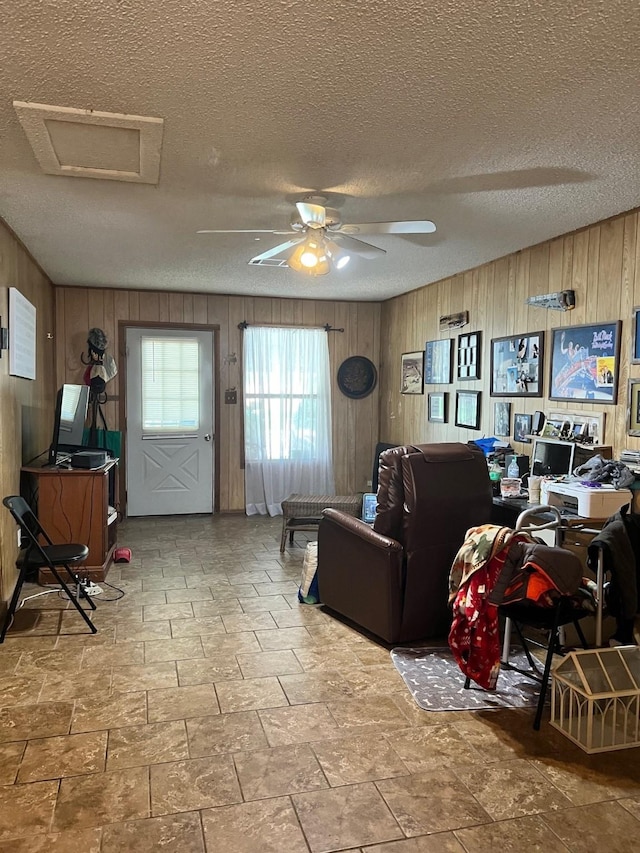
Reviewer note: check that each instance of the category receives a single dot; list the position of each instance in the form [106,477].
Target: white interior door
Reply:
[169,421]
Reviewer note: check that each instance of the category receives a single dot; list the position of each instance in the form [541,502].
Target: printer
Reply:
[587,501]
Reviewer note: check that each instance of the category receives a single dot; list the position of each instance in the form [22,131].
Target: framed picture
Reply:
[469,355]
[635,345]
[584,425]
[502,418]
[437,407]
[468,409]
[522,428]
[438,361]
[412,373]
[633,407]
[516,365]
[584,362]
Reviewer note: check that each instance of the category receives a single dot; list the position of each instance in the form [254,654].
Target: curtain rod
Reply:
[328,328]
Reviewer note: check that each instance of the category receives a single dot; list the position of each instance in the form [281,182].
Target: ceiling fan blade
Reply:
[412,226]
[242,231]
[356,247]
[277,250]
[311,214]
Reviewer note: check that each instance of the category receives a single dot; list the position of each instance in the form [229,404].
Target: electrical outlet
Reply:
[231,395]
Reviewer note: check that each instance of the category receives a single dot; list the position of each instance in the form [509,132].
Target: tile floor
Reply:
[212,712]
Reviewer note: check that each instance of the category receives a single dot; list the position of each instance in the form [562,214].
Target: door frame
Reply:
[123,325]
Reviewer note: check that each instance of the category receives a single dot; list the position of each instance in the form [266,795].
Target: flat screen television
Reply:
[552,457]
[72,403]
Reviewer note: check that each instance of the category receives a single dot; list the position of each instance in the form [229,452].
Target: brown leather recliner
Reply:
[392,580]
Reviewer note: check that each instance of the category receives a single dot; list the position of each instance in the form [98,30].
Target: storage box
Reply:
[595,700]
[587,501]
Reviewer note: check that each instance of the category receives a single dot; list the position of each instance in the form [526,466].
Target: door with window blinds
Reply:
[169,424]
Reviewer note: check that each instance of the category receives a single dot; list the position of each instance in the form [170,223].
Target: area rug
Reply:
[437,684]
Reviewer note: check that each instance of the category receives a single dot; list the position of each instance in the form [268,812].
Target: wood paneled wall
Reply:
[601,263]
[26,406]
[355,422]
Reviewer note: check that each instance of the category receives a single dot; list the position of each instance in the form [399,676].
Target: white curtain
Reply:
[287,416]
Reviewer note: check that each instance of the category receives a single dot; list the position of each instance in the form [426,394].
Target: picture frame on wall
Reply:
[516,365]
[468,360]
[585,363]
[502,418]
[438,362]
[437,407]
[522,427]
[635,343]
[412,373]
[468,409]
[633,408]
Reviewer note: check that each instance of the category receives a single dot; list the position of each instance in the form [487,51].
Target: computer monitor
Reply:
[68,427]
[552,457]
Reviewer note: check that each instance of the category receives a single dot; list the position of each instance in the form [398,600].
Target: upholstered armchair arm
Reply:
[354,526]
[361,573]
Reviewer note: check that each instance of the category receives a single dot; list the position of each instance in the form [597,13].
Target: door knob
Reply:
[208,437]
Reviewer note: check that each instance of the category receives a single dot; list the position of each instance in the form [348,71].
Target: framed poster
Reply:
[633,408]
[469,355]
[502,418]
[635,343]
[412,367]
[438,361]
[584,362]
[437,407]
[468,409]
[516,365]
[522,428]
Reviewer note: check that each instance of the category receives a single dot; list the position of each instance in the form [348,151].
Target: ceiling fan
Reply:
[322,241]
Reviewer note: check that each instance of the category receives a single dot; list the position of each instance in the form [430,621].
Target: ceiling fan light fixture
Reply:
[310,257]
[338,257]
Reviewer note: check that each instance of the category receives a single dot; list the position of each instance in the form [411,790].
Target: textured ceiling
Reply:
[506,123]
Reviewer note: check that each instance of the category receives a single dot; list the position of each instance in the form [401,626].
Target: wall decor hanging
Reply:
[522,427]
[633,407]
[585,361]
[502,418]
[469,355]
[635,343]
[357,377]
[412,372]
[516,365]
[437,407]
[468,409]
[438,362]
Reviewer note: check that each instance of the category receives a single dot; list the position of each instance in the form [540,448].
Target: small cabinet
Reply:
[78,505]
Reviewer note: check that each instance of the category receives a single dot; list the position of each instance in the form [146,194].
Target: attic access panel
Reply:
[68,141]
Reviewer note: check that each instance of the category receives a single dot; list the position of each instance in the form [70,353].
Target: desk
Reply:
[505,512]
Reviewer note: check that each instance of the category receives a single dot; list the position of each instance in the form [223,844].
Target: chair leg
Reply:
[553,641]
[467,683]
[14,602]
[73,599]
[580,633]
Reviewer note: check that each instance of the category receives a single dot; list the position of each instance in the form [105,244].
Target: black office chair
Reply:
[47,555]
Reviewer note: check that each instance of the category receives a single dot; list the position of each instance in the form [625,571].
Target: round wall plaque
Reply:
[357,377]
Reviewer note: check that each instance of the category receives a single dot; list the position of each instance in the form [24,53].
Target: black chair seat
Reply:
[60,554]
[544,618]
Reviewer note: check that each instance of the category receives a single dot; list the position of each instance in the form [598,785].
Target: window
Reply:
[287,415]
[170,385]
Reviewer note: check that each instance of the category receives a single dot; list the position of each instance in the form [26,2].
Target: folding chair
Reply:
[39,555]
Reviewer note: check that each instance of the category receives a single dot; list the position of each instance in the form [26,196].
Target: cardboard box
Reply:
[586,501]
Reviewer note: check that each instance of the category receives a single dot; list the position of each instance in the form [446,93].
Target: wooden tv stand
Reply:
[73,505]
